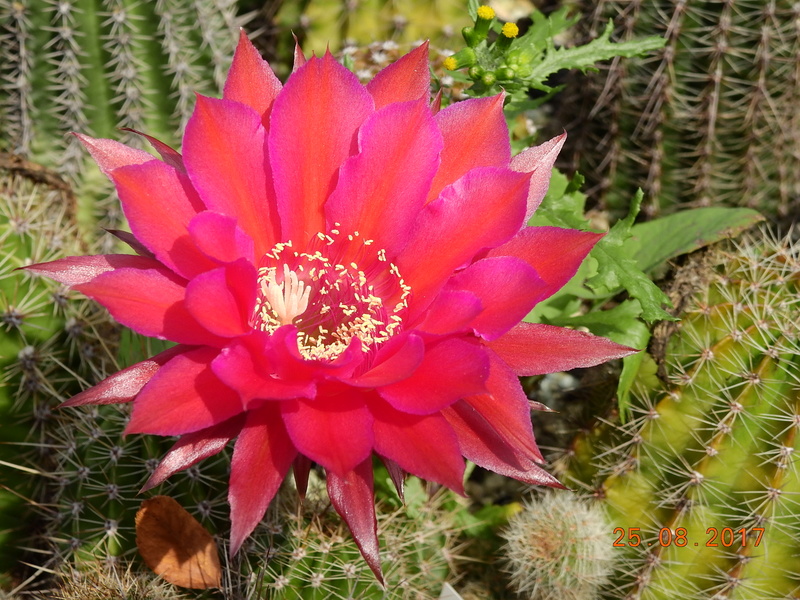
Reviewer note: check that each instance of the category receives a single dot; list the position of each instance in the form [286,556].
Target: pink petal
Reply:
[149,301]
[287,362]
[243,367]
[193,447]
[134,244]
[312,132]
[453,311]
[481,444]
[481,210]
[168,154]
[507,289]
[506,409]
[451,369]
[422,445]
[554,253]
[231,181]
[475,135]
[76,270]
[334,431]
[406,79]
[223,300]
[261,458]
[220,238]
[436,103]
[110,155]
[396,359]
[159,202]
[535,349]
[353,498]
[184,396]
[124,385]
[251,80]
[388,180]
[539,161]
[299,57]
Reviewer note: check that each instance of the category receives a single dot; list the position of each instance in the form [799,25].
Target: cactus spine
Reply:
[711,119]
[709,468]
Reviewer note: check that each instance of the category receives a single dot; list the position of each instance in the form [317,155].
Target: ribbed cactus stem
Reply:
[702,486]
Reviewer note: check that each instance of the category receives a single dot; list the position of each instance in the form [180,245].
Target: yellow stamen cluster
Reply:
[327,294]
[510,30]
[486,13]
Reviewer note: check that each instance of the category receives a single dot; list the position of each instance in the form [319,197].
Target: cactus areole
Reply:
[344,270]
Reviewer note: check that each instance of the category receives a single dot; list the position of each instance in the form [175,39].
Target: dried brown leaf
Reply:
[175,545]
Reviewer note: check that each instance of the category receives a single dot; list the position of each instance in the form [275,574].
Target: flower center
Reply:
[340,288]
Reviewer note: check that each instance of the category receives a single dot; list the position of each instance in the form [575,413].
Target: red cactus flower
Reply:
[344,270]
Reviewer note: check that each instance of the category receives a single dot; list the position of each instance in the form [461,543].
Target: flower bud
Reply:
[507,35]
[463,58]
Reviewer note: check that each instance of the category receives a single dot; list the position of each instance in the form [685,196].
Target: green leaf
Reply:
[621,324]
[618,270]
[563,206]
[583,57]
[686,231]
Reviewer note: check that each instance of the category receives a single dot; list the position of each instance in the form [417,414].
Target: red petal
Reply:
[261,458]
[334,431]
[451,369]
[193,447]
[539,161]
[422,445]
[110,155]
[231,181]
[124,385]
[299,57]
[159,202]
[312,132]
[554,253]
[397,475]
[481,210]
[507,288]
[406,79]
[397,359]
[388,180]
[251,80]
[220,238]
[481,444]
[452,311]
[475,135]
[184,396]
[222,300]
[134,244]
[535,349]
[77,270]
[353,498]
[168,154]
[149,301]
[300,469]
[506,408]
[243,367]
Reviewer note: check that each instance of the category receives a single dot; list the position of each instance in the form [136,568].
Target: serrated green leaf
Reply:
[563,206]
[686,231]
[618,270]
[583,57]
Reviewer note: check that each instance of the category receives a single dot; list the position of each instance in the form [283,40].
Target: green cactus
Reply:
[703,485]
[310,554]
[48,339]
[337,23]
[557,548]
[711,119]
[95,67]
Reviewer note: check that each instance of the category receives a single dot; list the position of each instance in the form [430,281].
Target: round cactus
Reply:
[703,485]
[557,548]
